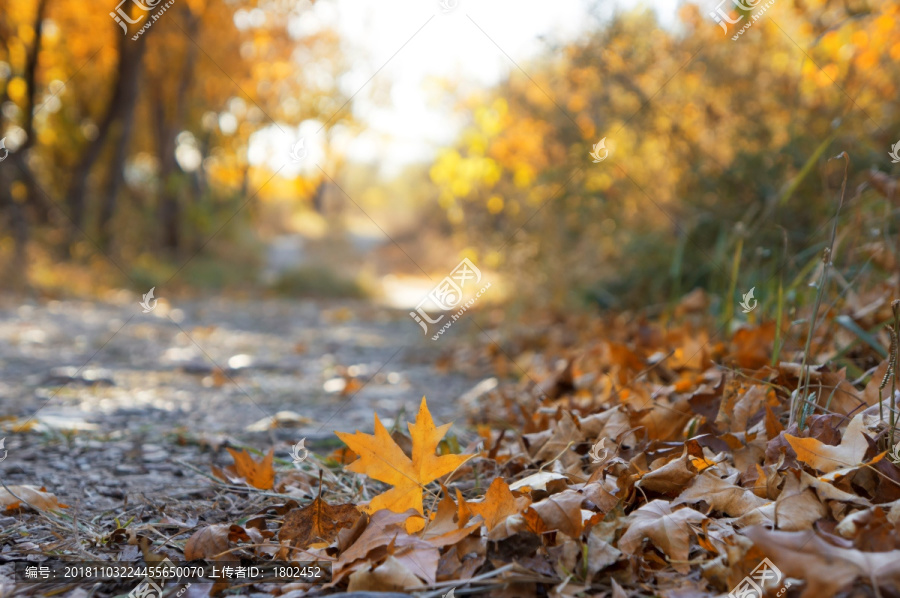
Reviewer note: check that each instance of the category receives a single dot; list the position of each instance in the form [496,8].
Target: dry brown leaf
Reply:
[386,535]
[600,553]
[617,591]
[668,530]
[825,568]
[317,522]
[562,512]
[672,477]
[11,497]
[722,496]
[752,347]
[383,527]
[566,432]
[214,540]
[390,576]
[746,406]
[827,491]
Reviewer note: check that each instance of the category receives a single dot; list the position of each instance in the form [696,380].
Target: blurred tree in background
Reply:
[717,148]
[138,148]
[129,145]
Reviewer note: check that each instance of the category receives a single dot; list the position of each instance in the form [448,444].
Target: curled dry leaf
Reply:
[386,535]
[722,496]
[600,554]
[213,542]
[390,576]
[563,512]
[13,497]
[669,531]
[670,478]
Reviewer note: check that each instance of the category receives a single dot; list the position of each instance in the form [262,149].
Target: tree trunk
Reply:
[120,149]
[167,131]
[16,169]
[127,75]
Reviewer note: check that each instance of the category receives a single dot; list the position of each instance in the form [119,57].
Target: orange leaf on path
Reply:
[382,459]
[259,474]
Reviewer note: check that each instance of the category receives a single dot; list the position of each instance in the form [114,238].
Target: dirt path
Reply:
[121,398]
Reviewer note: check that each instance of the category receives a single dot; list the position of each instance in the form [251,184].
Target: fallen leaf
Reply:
[825,568]
[445,529]
[380,458]
[386,535]
[668,530]
[389,576]
[282,419]
[213,542]
[317,522]
[672,477]
[752,347]
[498,504]
[12,498]
[537,481]
[562,512]
[259,474]
[600,553]
[827,458]
[721,495]
[797,507]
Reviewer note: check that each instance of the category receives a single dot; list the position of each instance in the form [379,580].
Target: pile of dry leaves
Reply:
[643,461]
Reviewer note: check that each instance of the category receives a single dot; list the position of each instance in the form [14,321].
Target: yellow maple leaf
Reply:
[380,458]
